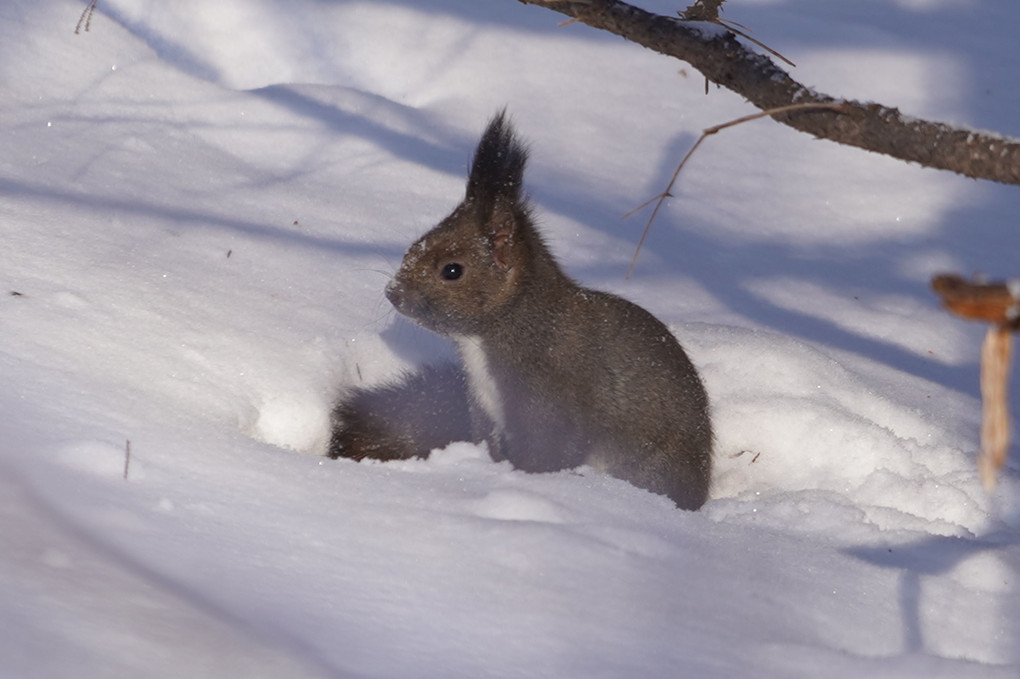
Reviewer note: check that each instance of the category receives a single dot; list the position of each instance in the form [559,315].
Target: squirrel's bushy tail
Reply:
[406,418]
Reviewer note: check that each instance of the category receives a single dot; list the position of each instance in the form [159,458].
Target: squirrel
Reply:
[553,375]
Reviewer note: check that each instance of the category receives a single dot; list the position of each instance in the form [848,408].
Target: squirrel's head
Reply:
[473,262]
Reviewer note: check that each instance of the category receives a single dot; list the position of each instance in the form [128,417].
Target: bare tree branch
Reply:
[721,58]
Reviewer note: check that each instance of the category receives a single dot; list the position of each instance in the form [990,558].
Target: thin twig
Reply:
[667,193]
[659,200]
[732,26]
[709,12]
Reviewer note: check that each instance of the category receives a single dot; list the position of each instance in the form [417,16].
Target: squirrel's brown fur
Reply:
[556,375]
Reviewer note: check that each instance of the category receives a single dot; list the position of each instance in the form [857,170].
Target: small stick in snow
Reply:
[127,457]
[86,17]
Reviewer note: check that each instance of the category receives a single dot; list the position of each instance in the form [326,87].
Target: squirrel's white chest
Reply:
[480,381]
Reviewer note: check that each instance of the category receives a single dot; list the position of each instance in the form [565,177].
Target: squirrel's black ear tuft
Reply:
[497,171]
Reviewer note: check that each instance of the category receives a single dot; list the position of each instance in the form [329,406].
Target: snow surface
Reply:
[200,205]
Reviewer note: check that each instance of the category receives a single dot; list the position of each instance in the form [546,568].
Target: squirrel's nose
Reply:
[395,294]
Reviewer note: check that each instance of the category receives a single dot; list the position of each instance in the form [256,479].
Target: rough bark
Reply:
[721,58]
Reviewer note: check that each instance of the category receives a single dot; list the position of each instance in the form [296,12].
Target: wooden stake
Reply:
[996,354]
[999,305]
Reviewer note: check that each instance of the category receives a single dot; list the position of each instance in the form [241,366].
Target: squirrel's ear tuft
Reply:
[497,171]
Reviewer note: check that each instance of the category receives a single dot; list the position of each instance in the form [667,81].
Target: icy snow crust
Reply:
[200,206]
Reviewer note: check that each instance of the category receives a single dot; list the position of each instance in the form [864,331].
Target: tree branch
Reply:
[721,58]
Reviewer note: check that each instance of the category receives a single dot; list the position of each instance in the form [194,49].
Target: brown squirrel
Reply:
[554,375]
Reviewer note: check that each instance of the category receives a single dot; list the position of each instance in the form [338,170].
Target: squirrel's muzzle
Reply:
[395,295]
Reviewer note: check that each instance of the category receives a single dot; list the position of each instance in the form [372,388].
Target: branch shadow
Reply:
[726,269]
[450,156]
[729,270]
[184,216]
[938,556]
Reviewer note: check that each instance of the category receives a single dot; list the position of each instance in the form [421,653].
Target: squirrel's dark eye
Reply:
[452,271]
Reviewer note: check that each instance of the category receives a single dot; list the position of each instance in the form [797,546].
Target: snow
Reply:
[200,206]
